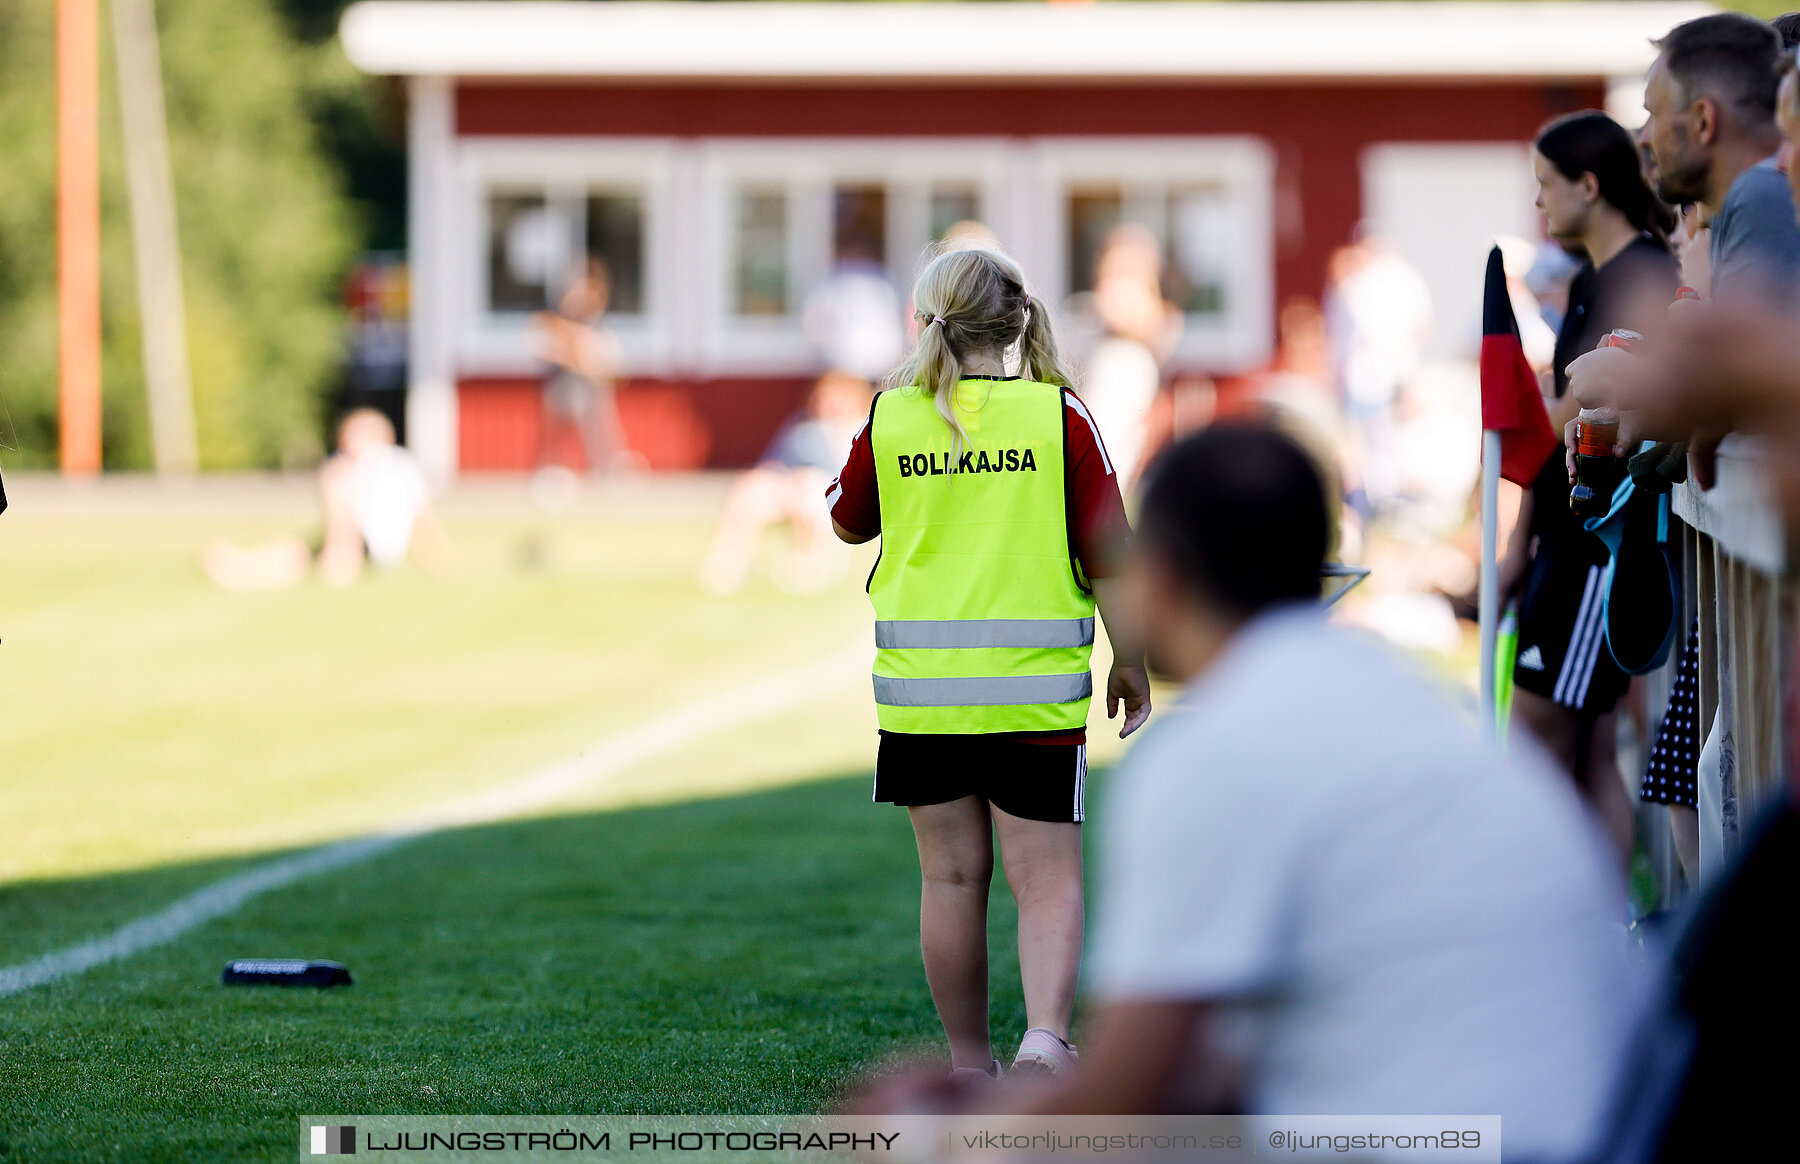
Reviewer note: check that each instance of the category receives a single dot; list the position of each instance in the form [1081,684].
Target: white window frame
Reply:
[687,327]
[1145,167]
[501,343]
[809,168]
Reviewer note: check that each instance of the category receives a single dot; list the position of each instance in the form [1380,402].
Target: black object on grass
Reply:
[283,972]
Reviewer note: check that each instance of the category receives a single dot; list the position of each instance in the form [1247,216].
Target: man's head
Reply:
[1713,82]
[1235,520]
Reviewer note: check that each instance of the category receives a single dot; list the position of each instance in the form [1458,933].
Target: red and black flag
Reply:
[1510,402]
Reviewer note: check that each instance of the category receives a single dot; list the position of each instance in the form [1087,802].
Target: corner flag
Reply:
[1516,441]
[1510,402]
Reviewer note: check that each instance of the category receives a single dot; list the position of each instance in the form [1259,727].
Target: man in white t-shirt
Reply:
[1321,892]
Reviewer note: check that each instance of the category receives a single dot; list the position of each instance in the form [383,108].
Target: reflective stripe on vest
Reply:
[988,691]
[934,634]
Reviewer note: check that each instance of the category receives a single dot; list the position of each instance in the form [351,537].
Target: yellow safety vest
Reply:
[983,622]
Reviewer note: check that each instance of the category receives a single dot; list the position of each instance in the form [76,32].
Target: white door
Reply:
[1441,206]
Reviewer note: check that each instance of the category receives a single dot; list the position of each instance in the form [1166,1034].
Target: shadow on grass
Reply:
[743,954]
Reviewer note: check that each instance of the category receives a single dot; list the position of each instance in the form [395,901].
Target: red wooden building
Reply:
[712,154]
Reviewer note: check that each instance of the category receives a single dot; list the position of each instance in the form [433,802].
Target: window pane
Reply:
[1197,268]
[615,235]
[859,221]
[521,242]
[951,205]
[1093,212]
[760,277]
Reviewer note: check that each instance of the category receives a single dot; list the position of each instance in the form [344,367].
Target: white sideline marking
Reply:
[756,700]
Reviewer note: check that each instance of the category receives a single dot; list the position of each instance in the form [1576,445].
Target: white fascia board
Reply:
[995,41]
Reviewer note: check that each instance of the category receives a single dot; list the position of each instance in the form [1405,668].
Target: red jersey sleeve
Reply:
[1096,507]
[852,497]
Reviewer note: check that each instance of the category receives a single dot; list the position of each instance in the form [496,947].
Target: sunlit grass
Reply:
[745,954]
[150,717]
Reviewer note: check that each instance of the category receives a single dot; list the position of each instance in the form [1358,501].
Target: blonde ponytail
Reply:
[1038,358]
[935,369]
[969,300]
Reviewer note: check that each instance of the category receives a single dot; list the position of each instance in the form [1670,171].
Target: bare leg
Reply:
[815,550]
[602,437]
[553,423]
[752,505]
[1557,728]
[1043,867]
[1684,826]
[956,865]
[1606,790]
[270,566]
[341,557]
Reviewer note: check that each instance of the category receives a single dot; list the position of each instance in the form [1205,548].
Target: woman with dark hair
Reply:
[1598,207]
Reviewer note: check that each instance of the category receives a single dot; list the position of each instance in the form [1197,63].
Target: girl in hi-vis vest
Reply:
[999,514]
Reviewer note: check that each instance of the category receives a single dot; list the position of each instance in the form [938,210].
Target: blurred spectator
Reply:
[1536,335]
[583,359]
[1321,892]
[1297,388]
[1692,241]
[1378,317]
[1596,203]
[962,235]
[854,317]
[786,485]
[1138,332]
[376,507]
[1552,269]
[969,234]
[1300,374]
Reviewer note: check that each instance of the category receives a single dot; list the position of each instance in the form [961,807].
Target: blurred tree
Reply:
[265,236]
[359,119]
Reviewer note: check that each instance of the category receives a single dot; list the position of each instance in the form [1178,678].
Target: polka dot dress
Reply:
[1670,778]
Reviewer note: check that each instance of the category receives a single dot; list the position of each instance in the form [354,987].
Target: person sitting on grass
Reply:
[377,507]
[784,487]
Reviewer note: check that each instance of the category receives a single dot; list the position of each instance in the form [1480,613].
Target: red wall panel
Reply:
[669,424]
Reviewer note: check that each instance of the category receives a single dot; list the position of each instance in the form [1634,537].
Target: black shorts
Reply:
[1562,631]
[1045,782]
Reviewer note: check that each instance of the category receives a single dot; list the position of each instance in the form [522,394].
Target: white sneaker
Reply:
[1042,1053]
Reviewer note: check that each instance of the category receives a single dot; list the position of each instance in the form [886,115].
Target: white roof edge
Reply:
[732,39]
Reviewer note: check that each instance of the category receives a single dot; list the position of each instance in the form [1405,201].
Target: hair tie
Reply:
[1028,301]
[938,319]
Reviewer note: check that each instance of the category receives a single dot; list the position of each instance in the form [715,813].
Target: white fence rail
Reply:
[1735,584]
